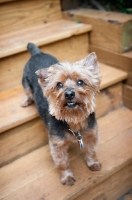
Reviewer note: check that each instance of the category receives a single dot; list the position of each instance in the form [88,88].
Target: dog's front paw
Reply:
[95,166]
[67,178]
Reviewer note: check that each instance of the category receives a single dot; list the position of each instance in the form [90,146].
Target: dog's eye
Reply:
[80,83]
[59,85]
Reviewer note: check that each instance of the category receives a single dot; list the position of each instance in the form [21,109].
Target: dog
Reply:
[64,94]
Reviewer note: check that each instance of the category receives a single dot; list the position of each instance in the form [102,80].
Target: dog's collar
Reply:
[78,137]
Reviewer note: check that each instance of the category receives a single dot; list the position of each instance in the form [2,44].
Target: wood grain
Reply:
[117,40]
[10,100]
[121,61]
[35,177]
[21,140]
[16,42]
[108,99]
[70,49]
[29,136]
[111,76]
[127,96]
[3,1]
[112,188]
[16,15]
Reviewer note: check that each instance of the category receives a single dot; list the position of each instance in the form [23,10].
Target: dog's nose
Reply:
[69,94]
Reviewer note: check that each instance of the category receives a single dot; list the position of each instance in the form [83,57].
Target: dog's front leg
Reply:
[90,147]
[59,154]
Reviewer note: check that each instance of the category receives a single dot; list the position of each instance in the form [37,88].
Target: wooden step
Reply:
[64,39]
[19,14]
[34,176]
[118,40]
[16,42]
[10,100]
[119,60]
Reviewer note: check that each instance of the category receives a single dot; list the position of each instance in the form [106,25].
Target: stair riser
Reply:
[29,136]
[118,40]
[121,184]
[118,60]
[70,49]
[127,96]
[20,14]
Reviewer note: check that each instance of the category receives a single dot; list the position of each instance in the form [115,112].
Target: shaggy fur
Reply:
[66,99]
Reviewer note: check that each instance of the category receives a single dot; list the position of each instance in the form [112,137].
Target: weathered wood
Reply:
[111,76]
[119,60]
[109,99]
[35,177]
[68,4]
[20,14]
[3,1]
[127,196]
[16,42]
[127,96]
[112,188]
[10,100]
[111,30]
[23,139]
[70,49]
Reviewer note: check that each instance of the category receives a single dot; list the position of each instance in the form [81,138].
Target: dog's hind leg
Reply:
[28,99]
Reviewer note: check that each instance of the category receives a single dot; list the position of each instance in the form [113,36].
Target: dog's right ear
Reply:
[43,75]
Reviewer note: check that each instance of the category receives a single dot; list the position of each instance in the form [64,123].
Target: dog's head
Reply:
[70,88]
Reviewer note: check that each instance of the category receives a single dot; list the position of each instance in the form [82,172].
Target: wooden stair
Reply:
[35,177]
[53,38]
[26,167]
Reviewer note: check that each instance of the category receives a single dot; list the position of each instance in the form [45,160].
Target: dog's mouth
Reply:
[71,104]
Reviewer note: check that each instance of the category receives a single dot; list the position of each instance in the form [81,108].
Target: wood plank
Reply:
[3,1]
[11,68]
[16,42]
[121,182]
[121,61]
[111,76]
[10,100]
[127,196]
[10,107]
[127,96]
[39,172]
[118,40]
[23,139]
[109,99]
[20,14]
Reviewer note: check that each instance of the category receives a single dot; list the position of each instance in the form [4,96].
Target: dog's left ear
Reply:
[43,75]
[90,61]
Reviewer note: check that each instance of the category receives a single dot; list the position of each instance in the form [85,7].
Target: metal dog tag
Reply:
[80,141]
[78,137]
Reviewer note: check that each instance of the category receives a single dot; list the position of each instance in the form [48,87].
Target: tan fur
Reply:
[68,74]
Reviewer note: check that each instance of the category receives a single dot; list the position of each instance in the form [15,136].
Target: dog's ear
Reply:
[43,75]
[90,61]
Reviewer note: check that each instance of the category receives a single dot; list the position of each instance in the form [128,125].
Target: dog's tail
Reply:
[33,49]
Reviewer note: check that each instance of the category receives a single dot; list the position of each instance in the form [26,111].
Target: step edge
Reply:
[80,191]
[50,39]
[35,115]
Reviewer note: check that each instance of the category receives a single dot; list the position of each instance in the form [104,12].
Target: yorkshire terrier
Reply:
[64,96]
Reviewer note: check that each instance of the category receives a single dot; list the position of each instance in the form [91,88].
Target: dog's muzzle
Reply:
[69,95]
